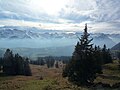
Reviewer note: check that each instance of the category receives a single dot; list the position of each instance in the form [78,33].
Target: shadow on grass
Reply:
[5,75]
[2,74]
[110,77]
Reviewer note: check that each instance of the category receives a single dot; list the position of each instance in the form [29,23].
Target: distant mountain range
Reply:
[16,32]
[31,41]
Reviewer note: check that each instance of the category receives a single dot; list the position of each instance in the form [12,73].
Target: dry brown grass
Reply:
[44,78]
[38,71]
[51,77]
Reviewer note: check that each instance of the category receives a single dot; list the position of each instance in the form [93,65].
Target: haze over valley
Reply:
[44,42]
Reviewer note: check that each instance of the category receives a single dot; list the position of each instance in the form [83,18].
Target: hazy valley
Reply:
[41,42]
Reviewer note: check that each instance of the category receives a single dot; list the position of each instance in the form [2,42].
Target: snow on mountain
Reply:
[102,39]
[36,37]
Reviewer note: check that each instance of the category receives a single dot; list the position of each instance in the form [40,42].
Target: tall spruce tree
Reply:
[1,64]
[118,55]
[106,55]
[27,68]
[15,64]
[9,63]
[99,59]
[119,59]
[82,68]
[19,66]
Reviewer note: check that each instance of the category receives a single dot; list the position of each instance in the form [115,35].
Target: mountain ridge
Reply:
[116,47]
[40,42]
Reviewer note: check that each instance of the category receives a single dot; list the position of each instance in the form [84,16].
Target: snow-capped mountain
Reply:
[64,38]
[14,32]
[103,39]
[34,42]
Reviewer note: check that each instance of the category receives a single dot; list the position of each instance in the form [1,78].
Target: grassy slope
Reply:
[52,79]
[111,74]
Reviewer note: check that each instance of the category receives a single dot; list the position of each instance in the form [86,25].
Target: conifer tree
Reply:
[82,68]
[99,59]
[27,68]
[40,61]
[106,55]
[15,64]
[1,63]
[19,67]
[57,64]
[119,55]
[119,59]
[50,62]
[9,63]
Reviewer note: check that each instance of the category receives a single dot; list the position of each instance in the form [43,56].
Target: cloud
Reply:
[74,10]
[21,10]
[99,14]
[108,10]
[79,10]
[94,10]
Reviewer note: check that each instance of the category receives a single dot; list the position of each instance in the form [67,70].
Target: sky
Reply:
[102,16]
